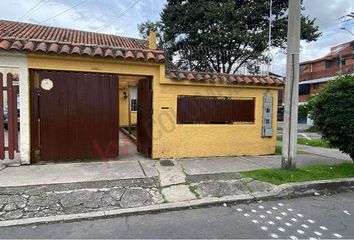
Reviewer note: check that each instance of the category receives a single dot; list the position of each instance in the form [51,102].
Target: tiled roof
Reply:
[178,75]
[37,38]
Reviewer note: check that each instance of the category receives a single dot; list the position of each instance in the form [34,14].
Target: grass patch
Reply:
[308,142]
[313,142]
[319,172]
[278,150]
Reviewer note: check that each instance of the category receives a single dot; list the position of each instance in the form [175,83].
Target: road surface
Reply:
[311,217]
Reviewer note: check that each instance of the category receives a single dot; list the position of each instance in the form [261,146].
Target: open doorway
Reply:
[135,115]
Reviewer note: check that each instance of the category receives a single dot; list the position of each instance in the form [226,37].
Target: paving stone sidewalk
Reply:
[43,201]
[130,184]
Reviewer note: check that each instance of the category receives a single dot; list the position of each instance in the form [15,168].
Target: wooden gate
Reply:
[74,115]
[144,118]
[8,118]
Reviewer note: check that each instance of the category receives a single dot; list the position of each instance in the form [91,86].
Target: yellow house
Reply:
[78,88]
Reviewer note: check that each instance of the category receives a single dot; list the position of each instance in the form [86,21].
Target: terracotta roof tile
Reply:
[98,52]
[31,37]
[17,45]
[41,47]
[108,53]
[129,55]
[140,56]
[119,54]
[29,46]
[53,48]
[65,49]
[150,56]
[76,50]
[178,75]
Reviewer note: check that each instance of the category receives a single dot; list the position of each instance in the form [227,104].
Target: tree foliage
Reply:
[221,35]
[332,111]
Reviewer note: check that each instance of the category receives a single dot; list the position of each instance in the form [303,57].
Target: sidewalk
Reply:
[323,152]
[98,188]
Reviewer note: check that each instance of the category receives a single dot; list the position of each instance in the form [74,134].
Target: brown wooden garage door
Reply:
[75,119]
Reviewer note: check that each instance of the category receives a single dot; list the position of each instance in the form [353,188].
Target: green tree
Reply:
[222,35]
[332,111]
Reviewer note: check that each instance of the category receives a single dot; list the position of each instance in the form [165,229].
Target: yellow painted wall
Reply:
[123,109]
[171,140]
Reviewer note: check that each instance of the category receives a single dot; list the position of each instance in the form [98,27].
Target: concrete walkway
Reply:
[76,172]
[239,164]
[140,168]
[320,151]
[327,152]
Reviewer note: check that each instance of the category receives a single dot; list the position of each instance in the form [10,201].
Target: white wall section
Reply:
[18,62]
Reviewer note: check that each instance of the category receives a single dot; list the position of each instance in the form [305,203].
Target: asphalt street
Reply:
[317,217]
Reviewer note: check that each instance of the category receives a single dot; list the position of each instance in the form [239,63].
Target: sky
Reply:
[121,17]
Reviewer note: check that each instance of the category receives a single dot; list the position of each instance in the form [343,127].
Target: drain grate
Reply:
[166,163]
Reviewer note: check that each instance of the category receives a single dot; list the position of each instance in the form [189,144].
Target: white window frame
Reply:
[133,95]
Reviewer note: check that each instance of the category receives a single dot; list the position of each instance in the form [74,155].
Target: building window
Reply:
[133,99]
[316,86]
[302,68]
[340,60]
[328,64]
[304,89]
[214,110]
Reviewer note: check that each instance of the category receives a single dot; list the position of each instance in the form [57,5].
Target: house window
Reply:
[214,110]
[302,68]
[133,99]
[316,86]
[340,60]
[328,64]
[304,89]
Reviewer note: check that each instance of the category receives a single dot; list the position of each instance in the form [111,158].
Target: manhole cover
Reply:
[166,163]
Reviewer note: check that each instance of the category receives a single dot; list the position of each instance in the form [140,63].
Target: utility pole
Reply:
[291,87]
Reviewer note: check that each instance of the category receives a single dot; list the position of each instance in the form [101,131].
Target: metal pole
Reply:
[291,86]
[270,33]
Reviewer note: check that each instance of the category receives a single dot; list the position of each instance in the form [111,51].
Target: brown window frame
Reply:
[214,110]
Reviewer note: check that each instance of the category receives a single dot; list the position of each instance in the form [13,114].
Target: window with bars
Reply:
[214,110]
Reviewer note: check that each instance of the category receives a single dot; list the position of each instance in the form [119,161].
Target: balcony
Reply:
[326,73]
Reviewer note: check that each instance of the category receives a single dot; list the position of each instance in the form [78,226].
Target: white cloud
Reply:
[327,14]
[114,16]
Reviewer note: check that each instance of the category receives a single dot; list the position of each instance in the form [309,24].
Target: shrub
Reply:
[333,113]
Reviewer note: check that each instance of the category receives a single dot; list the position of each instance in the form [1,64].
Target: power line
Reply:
[30,11]
[120,15]
[63,11]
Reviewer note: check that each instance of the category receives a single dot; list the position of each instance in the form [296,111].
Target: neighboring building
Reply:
[315,74]
[77,87]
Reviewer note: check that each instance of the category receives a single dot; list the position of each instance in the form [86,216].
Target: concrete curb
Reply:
[282,191]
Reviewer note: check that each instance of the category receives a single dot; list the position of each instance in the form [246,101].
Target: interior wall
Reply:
[124,109]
